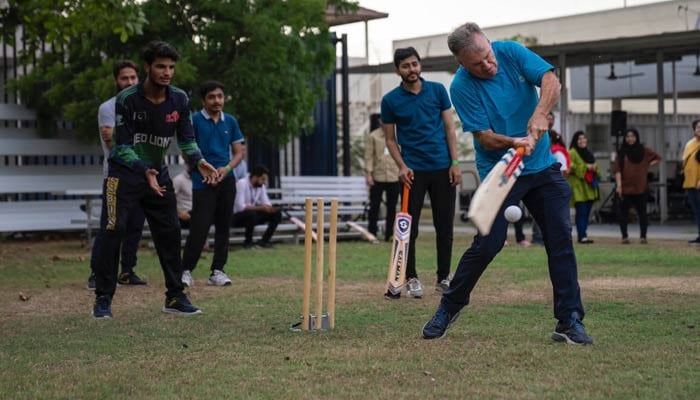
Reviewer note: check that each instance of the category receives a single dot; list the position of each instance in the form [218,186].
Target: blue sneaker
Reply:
[571,331]
[437,326]
[180,305]
[102,308]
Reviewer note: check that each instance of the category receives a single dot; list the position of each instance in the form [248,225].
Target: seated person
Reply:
[252,207]
[182,184]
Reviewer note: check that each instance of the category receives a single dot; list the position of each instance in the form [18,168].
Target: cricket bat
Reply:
[492,192]
[399,250]
[364,232]
[300,224]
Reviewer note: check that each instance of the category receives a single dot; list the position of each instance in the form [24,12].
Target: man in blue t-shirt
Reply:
[221,142]
[420,136]
[494,93]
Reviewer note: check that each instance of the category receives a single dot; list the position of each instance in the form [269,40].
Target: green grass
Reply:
[642,303]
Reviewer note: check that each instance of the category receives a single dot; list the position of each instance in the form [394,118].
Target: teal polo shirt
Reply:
[420,130]
[503,104]
[214,140]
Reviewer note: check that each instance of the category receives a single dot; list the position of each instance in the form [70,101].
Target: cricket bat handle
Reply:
[513,164]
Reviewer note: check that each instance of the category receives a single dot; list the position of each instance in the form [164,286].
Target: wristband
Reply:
[228,168]
[455,162]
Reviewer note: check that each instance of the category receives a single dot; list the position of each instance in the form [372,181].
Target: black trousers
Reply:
[249,218]
[210,205]
[639,202]
[375,199]
[119,200]
[442,202]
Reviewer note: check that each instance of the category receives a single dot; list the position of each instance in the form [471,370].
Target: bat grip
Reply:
[513,164]
[404,199]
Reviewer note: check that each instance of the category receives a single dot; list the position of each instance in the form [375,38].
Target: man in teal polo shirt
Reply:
[420,136]
[221,142]
[494,93]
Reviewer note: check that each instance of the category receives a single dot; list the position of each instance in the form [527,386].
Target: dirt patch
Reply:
[683,285]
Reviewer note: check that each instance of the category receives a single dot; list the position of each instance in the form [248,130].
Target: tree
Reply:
[273,56]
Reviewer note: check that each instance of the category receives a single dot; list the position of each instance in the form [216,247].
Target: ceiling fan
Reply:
[613,77]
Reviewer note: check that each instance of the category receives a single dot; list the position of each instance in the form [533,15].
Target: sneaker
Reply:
[264,244]
[180,305]
[571,331]
[524,243]
[91,281]
[643,241]
[102,308]
[585,241]
[390,296]
[248,246]
[442,285]
[415,288]
[187,279]
[130,278]
[625,241]
[218,278]
[696,241]
[437,326]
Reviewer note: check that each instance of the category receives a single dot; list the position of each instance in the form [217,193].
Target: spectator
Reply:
[691,173]
[125,75]
[420,136]
[632,186]
[220,140]
[382,176]
[583,178]
[182,184]
[253,207]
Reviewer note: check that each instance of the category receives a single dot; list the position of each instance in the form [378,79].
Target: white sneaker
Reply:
[415,288]
[442,285]
[187,279]
[219,278]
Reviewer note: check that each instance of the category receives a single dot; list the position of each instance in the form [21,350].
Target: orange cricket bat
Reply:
[399,250]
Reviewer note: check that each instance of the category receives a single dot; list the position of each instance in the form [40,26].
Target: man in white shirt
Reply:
[252,207]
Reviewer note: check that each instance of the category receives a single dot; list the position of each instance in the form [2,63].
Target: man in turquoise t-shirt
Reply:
[494,93]
[417,116]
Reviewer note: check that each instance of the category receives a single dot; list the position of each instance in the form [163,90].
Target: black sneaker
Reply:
[390,296]
[264,244]
[91,281]
[102,308]
[180,305]
[130,278]
[437,326]
[571,331]
[695,241]
[248,246]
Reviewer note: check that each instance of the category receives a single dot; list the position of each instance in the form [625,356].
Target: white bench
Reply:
[41,180]
[351,192]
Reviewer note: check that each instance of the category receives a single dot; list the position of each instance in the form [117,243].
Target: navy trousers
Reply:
[546,194]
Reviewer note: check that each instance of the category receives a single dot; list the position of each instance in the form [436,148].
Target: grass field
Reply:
[642,303]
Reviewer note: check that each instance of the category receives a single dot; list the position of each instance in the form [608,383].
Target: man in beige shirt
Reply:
[382,175]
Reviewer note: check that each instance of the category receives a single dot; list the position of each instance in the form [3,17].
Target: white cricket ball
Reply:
[513,213]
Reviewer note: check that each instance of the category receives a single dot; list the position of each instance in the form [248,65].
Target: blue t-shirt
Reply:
[503,104]
[214,140]
[420,130]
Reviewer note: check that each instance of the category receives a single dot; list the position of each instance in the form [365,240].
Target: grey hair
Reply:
[463,38]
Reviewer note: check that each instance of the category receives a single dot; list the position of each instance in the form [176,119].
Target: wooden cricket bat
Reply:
[364,232]
[296,221]
[492,192]
[399,250]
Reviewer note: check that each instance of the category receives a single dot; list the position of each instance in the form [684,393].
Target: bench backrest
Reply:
[347,189]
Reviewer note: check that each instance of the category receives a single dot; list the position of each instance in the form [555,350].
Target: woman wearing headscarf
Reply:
[691,173]
[583,178]
[632,186]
